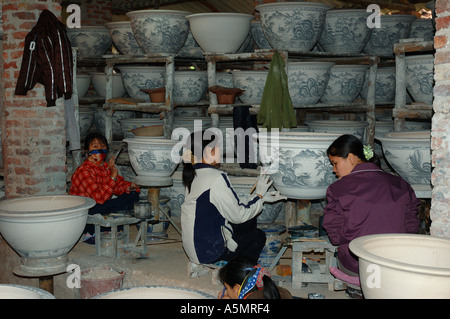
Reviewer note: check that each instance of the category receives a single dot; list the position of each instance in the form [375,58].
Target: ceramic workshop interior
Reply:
[386,85]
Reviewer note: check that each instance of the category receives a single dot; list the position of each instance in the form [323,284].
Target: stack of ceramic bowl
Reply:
[91,41]
[123,38]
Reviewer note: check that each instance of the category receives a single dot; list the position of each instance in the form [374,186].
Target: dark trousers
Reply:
[250,240]
[120,203]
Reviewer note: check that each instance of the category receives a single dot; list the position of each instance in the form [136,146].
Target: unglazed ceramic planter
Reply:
[155,292]
[357,128]
[258,35]
[345,31]
[252,82]
[23,292]
[91,41]
[129,124]
[189,86]
[304,170]
[422,29]
[420,77]
[409,154]
[43,229]
[392,29]
[403,266]
[292,26]
[159,31]
[307,81]
[83,83]
[135,78]
[344,84]
[99,83]
[220,32]
[384,86]
[123,38]
[87,116]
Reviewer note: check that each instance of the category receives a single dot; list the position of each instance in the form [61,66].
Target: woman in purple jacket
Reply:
[364,200]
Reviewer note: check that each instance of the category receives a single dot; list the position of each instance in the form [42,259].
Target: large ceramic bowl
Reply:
[422,29]
[87,116]
[403,266]
[392,29]
[420,77]
[344,84]
[357,128]
[91,41]
[252,82]
[129,124]
[83,83]
[191,47]
[43,229]
[99,121]
[159,31]
[258,35]
[293,26]
[154,292]
[23,292]
[307,81]
[345,31]
[299,165]
[409,154]
[192,124]
[135,78]
[224,79]
[384,85]
[220,32]
[123,38]
[99,83]
[189,86]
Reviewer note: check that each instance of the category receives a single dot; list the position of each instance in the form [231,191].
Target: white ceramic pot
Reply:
[304,171]
[307,81]
[344,84]
[129,124]
[356,128]
[422,29]
[99,121]
[159,31]
[392,29]
[403,266]
[384,86]
[252,82]
[135,78]
[293,26]
[123,38]
[155,292]
[258,35]
[220,32]
[91,41]
[345,31]
[409,154]
[87,116]
[420,77]
[8,291]
[43,229]
[99,83]
[83,83]
[189,86]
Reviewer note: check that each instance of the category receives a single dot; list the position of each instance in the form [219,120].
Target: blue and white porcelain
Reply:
[307,81]
[91,41]
[345,31]
[188,111]
[384,86]
[422,29]
[247,45]
[224,79]
[356,128]
[297,162]
[135,78]
[192,124]
[409,154]
[99,121]
[159,31]
[99,83]
[220,32]
[273,243]
[420,77]
[123,38]
[129,124]
[190,47]
[258,35]
[189,86]
[392,29]
[344,84]
[86,116]
[252,82]
[293,26]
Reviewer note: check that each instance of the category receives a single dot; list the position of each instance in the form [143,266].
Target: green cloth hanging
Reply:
[276,110]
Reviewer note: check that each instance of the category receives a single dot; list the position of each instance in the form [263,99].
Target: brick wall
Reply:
[440,141]
[33,134]
[95,12]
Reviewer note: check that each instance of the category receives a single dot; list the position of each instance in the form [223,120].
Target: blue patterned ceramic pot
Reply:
[123,38]
[91,41]
[344,84]
[224,79]
[307,81]
[129,124]
[420,77]
[258,35]
[384,86]
[273,243]
[392,29]
[191,47]
[87,115]
[252,82]
[293,26]
[99,83]
[409,154]
[159,31]
[220,32]
[345,31]
[135,78]
[189,86]
[356,128]
[188,111]
[422,29]
[99,121]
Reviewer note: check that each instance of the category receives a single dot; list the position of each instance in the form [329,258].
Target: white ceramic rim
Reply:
[219,14]
[322,63]
[339,123]
[108,294]
[352,66]
[157,11]
[88,203]
[348,10]
[41,292]
[292,4]
[140,68]
[356,246]
[101,27]
[300,136]
[103,73]
[111,24]
[150,141]
[419,57]
[396,138]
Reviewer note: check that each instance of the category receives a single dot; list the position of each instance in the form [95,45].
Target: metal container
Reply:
[142,209]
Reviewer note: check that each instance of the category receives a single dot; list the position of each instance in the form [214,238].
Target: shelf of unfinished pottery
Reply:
[367,106]
[402,110]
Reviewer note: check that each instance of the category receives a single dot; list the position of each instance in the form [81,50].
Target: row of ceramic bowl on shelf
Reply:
[292,26]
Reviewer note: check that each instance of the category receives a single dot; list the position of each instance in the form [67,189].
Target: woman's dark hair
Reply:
[196,143]
[346,144]
[92,136]
[241,269]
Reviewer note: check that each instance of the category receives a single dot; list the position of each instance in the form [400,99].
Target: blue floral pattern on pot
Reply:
[294,26]
[123,38]
[384,86]
[189,86]
[135,78]
[159,31]
[345,31]
[91,41]
[252,82]
[422,29]
[344,84]
[273,243]
[258,35]
[420,77]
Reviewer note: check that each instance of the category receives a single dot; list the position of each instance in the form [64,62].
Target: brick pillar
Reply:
[34,143]
[440,140]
